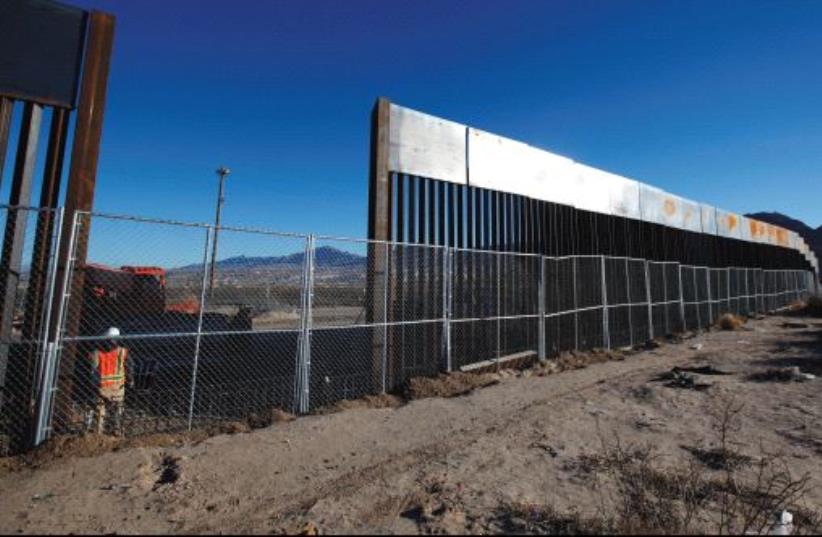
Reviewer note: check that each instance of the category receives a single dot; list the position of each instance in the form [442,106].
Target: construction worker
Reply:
[109,366]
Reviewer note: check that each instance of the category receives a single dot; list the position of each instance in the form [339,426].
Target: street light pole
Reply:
[222,173]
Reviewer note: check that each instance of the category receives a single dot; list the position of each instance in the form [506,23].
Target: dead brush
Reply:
[637,494]
[729,321]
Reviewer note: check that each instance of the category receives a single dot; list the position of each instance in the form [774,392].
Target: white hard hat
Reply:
[113,332]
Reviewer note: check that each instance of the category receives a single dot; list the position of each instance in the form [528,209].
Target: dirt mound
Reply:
[447,385]
[91,445]
[579,360]
[265,419]
[729,321]
[384,400]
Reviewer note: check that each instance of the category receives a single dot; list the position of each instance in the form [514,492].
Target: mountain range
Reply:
[328,256]
[324,257]
[812,236]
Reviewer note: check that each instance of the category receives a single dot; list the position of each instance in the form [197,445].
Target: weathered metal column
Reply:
[14,360]
[17,220]
[6,109]
[379,229]
[41,259]
[83,175]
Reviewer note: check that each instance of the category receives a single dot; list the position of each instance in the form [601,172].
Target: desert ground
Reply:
[543,448]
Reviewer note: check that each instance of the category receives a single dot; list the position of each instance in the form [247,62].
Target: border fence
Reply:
[298,322]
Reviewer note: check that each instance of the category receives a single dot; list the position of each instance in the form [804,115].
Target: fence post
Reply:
[48,356]
[681,300]
[606,334]
[710,299]
[728,286]
[199,336]
[303,370]
[629,302]
[696,300]
[648,298]
[446,306]
[541,344]
[62,319]
[499,308]
[574,268]
[386,279]
[665,297]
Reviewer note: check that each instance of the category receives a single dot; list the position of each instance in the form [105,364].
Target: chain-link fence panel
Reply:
[689,301]
[619,303]
[143,279]
[703,298]
[519,305]
[560,305]
[27,287]
[639,300]
[253,310]
[475,307]
[590,303]
[659,308]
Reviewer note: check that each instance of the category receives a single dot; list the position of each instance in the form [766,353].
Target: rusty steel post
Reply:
[49,197]
[13,361]
[379,229]
[83,179]
[6,109]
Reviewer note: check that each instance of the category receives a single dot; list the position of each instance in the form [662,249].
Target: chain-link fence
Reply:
[299,322]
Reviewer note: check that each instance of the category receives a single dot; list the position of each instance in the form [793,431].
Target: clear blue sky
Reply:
[716,101]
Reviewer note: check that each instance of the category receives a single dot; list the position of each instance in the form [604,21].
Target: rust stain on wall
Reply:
[732,222]
[669,207]
[781,236]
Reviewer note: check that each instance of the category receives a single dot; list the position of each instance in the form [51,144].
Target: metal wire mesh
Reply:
[297,323]
[25,316]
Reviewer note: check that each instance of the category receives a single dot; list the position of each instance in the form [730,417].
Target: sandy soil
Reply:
[437,464]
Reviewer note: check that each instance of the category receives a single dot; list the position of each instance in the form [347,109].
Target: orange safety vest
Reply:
[111,367]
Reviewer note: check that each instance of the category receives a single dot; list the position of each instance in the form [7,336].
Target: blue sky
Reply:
[714,101]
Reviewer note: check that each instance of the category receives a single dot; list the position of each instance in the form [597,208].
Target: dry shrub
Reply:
[520,518]
[638,495]
[729,321]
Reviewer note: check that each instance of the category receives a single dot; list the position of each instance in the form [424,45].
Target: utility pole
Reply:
[222,173]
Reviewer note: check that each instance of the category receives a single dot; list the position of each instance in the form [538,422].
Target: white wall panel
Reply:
[727,224]
[745,229]
[691,215]
[426,146]
[708,218]
[660,207]
[506,165]
[592,189]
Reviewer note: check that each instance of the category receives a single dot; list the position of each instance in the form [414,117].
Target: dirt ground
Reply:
[442,464]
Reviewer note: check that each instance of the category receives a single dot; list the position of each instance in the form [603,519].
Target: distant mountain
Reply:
[324,257]
[812,236]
